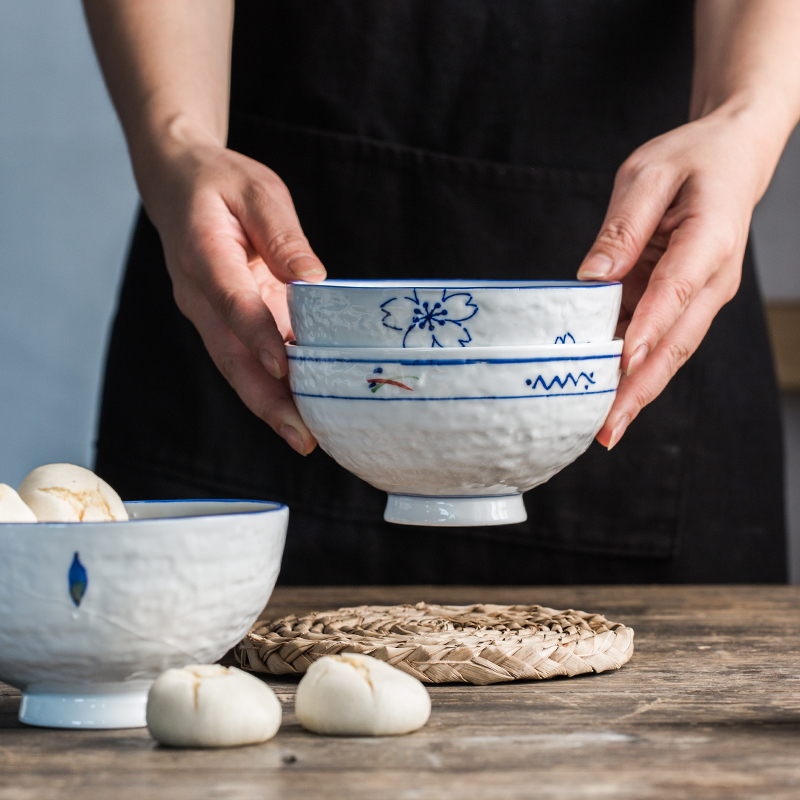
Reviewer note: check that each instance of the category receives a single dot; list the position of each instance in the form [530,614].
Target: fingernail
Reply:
[271,364]
[618,430]
[305,267]
[311,273]
[637,359]
[596,266]
[293,438]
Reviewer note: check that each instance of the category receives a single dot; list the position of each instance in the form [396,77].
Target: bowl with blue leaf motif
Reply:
[433,314]
[92,612]
[455,436]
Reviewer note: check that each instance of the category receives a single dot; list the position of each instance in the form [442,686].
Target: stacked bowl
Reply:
[455,397]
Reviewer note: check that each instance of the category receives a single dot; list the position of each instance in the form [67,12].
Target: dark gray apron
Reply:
[460,139]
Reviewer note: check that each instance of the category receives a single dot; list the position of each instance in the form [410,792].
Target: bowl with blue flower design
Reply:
[92,612]
[455,436]
[433,314]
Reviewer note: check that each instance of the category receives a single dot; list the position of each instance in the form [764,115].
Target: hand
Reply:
[232,240]
[675,234]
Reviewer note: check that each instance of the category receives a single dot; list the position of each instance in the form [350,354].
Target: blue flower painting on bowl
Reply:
[430,319]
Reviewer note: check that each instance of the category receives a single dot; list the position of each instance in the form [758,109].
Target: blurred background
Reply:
[67,200]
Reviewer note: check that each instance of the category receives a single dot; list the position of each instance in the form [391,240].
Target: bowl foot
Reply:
[411,509]
[107,706]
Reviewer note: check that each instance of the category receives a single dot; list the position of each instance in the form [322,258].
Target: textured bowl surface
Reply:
[416,314]
[491,422]
[93,609]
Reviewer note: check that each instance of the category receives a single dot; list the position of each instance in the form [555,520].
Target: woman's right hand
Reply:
[232,240]
[228,225]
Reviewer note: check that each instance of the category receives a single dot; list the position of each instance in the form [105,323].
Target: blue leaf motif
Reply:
[78,580]
[429,319]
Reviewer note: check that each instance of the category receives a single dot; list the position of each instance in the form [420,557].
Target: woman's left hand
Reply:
[675,234]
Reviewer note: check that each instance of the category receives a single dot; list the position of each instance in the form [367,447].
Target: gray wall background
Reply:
[67,200]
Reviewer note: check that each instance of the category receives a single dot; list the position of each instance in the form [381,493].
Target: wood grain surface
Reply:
[708,707]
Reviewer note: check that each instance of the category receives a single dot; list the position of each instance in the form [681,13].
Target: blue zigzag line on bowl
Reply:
[563,339]
[570,378]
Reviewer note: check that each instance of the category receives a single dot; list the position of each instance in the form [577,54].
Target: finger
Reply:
[674,349]
[270,221]
[695,254]
[642,193]
[221,273]
[273,293]
[634,285]
[268,398]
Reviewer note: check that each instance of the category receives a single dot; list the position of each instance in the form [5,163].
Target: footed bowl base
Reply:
[105,706]
[474,510]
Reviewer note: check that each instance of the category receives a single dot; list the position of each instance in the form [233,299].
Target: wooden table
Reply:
[708,707]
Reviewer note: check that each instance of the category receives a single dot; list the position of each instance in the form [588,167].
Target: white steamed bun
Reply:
[68,493]
[356,695]
[208,705]
[12,506]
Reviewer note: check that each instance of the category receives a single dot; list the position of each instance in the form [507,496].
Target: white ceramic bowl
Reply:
[91,613]
[415,314]
[455,437]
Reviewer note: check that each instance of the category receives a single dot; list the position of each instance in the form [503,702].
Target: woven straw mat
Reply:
[477,644]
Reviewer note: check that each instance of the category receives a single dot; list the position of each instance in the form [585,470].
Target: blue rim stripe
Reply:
[439,399]
[433,285]
[77,526]
[458,362]
[205,500]
[456,496]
